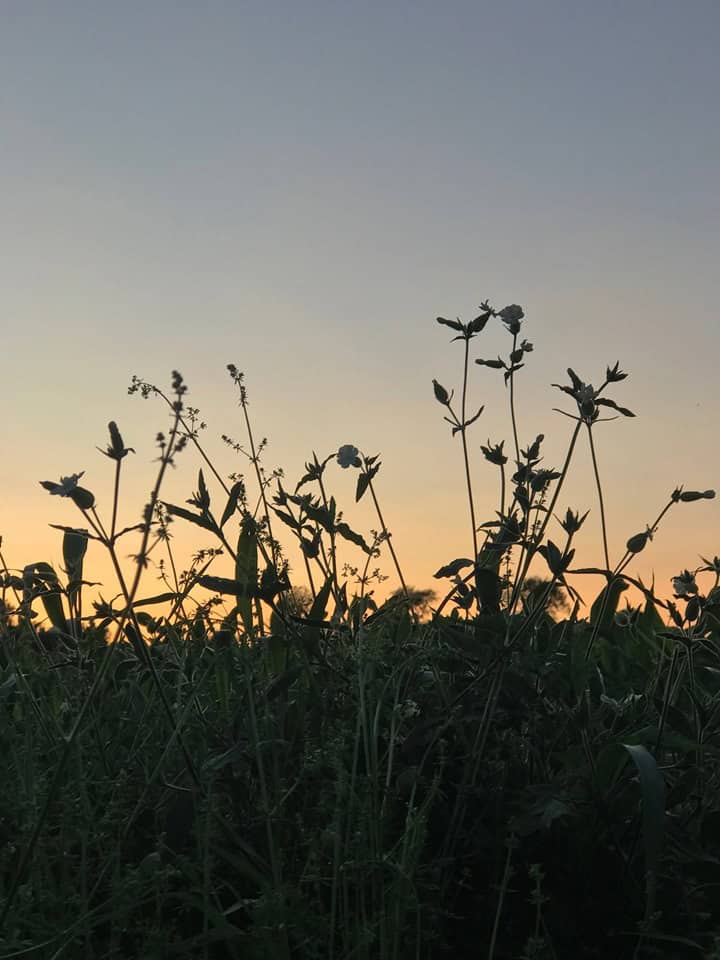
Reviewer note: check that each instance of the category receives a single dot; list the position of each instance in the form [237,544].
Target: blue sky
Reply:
[301,189]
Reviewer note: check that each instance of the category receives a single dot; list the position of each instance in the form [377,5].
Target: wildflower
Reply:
[68,487]
[65,487]
[494,454]
[539,479]
[348,456]
[573,521]
[511,317]
[615,374]
[684,584]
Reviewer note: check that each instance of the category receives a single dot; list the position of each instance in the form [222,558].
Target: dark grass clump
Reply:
[262,760]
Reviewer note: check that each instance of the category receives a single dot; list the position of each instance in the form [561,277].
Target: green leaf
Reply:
[195,518]
[160,598]
[344,530]
[316,615]
[235,492]
[74,548]
[453,324]
[314,512]
[652,786]
[487,586]
[227,586]
[364,480]
[362,485]
[288,519]
[649,621]
[246,570]
[51,595]
[612,592]
[603,401]
[453,568]
[282,683]
[203,495]
[138,644]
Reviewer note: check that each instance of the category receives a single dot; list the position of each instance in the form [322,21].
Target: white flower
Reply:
[684,584]
[65,487]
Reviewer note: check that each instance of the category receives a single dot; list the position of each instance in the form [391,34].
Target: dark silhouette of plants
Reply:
[246,765]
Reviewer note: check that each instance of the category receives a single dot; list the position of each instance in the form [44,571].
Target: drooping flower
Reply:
[348,456]
[511,317]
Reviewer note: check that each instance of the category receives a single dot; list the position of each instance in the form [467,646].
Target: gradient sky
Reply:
[301,188]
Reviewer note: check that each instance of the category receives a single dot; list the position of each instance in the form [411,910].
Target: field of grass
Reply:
[297,771]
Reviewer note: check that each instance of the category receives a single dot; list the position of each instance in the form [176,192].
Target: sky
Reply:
[301,189]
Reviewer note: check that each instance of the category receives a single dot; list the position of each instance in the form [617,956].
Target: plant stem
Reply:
[513,418]
[388,540]
[466,457]
[600,496]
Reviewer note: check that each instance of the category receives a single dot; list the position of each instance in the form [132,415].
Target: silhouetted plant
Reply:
[241,765]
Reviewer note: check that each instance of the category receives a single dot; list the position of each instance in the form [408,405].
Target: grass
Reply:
[240,766]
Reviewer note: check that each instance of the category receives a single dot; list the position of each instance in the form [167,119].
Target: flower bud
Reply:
[441,394]
[637,543]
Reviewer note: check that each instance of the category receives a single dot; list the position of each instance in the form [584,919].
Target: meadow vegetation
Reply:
[240,766]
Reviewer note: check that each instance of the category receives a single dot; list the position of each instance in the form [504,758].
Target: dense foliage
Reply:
[240,767]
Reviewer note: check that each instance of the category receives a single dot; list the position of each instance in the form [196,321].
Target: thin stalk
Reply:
[466,458]
[388,540]
[333,548]
[548,515]
[501,899]
[502,489]
[258,473]
[513,417]
[614,576]
[275,862]
[54,786]
[116,498]
[600,496]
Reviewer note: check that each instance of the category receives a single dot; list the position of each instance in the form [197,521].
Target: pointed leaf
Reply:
[288,519]
[453,568]
[195,518]
[364,481]
[316,616]
[203,495]
[227,586]
[236,491]
[160,598]
[652,786]
[454,324]
[612,592]
[344,530]
[246,570]
[602,401]
[51,594]
[473,419]
[74,548]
